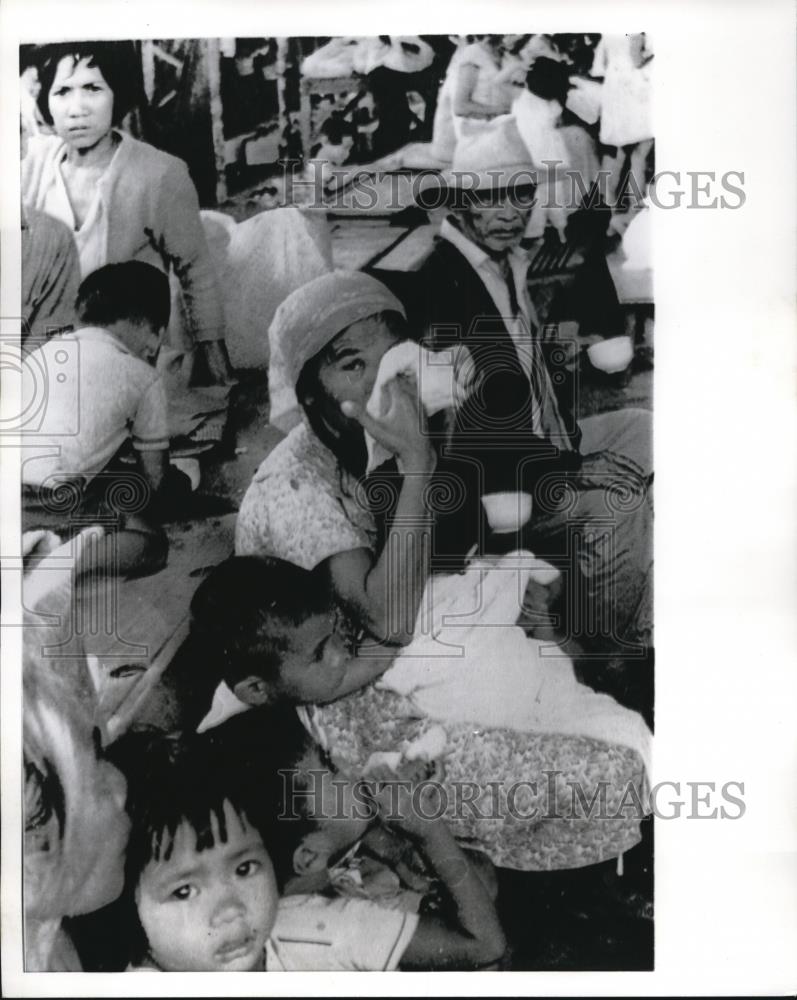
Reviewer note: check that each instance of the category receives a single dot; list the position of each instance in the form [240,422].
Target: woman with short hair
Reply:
[122,199]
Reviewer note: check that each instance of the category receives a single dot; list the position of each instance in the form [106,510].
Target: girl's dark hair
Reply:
[171,781]
[243,611]
[118,62]
[131,290]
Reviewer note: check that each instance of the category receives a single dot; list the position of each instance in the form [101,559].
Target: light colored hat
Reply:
[307,320]
[493,156]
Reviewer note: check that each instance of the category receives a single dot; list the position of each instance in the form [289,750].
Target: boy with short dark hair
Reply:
[269,629]
[103,395]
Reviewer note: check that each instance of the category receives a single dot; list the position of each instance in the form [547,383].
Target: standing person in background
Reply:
[624,63]
[482,90]
[121,198]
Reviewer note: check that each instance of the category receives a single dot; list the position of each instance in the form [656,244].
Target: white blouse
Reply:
[91,238]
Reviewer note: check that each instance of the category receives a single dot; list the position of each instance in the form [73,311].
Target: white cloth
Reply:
[538,45]
[225,705]
[637,241]
[626,95]
[441,377]
[444,137]
[99,395]
[584,99]
[394,56]
[259,262]
[334,59]
[520,327]
[537,122]
[470,662]
[318,934]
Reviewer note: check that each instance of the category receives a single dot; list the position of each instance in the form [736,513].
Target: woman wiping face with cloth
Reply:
[307,502]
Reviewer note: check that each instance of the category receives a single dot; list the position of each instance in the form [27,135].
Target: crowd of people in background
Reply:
[422,499]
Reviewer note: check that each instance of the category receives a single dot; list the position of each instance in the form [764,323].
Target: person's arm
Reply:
[150,435]
[464,105]
[50,277]
[360,671]
[184,243]
[384,594]
[154,466]
[472,937]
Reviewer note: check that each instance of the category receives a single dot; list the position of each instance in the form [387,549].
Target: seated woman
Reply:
[308,505]
[123,199]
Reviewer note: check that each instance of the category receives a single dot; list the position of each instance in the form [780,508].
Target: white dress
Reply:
[488,90]
[626,97]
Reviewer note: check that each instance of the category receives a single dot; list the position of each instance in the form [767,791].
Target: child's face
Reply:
[211,910]
[314,666]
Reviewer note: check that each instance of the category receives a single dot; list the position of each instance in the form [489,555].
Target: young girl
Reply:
[206,897]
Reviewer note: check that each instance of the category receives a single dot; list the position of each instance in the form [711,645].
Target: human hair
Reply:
[174,781]
[117,61]
[243,611]
[549,79]
[131,290]
[283,762]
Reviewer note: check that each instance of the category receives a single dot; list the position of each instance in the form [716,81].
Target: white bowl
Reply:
[507,511]
[612,355]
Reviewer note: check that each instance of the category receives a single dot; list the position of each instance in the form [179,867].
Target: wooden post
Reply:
[280,69]
[212,57]
[305,115]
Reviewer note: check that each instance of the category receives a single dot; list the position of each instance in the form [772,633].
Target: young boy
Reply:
[102,395]
[206,894]
[267,630]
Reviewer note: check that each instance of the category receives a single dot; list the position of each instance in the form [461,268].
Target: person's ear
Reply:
[312,854]
[252,690]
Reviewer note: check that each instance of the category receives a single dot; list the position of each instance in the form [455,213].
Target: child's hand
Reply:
[409,799]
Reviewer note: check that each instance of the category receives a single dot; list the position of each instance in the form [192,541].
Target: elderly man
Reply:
[517,430]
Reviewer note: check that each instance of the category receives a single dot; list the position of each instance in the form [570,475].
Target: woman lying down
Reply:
[508,712]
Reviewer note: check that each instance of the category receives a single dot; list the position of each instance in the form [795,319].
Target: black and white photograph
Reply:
[336,359]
